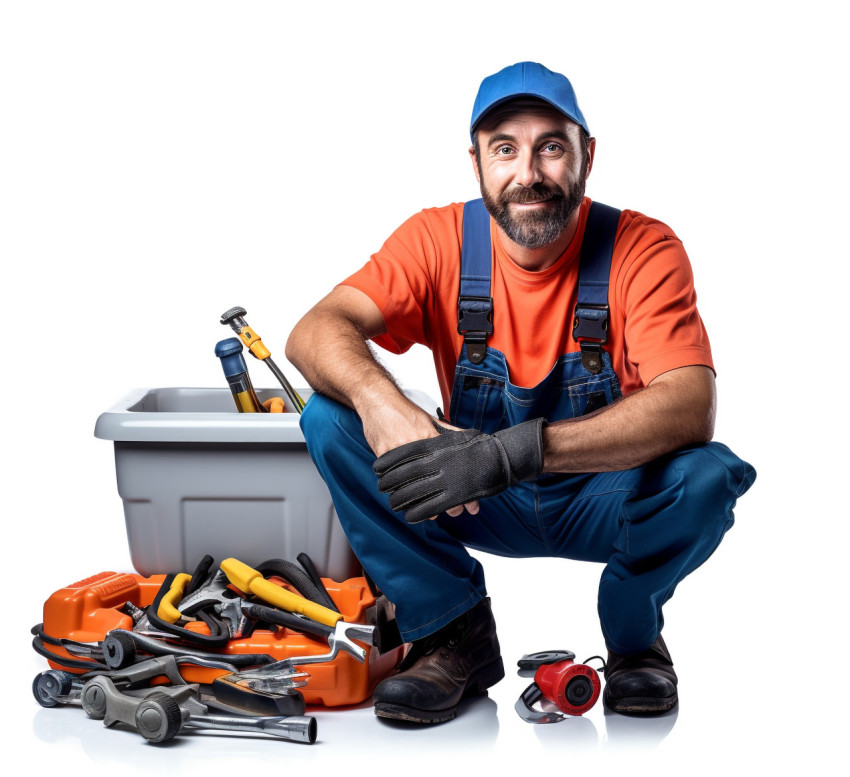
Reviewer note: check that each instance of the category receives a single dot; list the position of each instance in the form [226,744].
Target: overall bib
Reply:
[482,395]
[651,525]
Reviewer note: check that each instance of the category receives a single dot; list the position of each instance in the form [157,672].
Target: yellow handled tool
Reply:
[251,581]
[168,604]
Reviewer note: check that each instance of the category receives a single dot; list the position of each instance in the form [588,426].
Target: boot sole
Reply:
[478,683]
[644,706]
[412,715]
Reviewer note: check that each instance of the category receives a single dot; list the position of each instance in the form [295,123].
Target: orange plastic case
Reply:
[85,611]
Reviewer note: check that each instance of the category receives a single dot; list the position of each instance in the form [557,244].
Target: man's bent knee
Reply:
[328,425]
[686,498]
[712,472]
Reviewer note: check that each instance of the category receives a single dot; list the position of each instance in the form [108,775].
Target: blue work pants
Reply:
[651,526]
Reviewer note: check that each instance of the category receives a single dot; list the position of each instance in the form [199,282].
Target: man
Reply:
[580,388]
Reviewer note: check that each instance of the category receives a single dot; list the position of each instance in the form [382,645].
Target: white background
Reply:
[161,162]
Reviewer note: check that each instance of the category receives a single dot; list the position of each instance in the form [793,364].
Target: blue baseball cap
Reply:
[527,79]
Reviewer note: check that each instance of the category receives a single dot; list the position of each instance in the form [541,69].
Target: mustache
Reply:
[536,193]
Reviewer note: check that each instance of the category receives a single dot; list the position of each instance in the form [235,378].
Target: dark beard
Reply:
[535,229]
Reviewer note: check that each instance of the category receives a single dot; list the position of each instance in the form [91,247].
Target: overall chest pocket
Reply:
[593,393]
[478,403]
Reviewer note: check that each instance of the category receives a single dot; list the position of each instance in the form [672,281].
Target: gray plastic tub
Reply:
[197,477]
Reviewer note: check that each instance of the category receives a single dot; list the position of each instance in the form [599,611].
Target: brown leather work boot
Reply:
[643,684]
[461,659]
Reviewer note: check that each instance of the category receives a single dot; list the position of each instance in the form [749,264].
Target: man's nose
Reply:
[528,170]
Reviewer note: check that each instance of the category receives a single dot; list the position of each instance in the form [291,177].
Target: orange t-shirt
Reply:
[654,324]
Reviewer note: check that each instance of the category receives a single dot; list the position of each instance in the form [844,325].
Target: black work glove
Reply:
[426,477]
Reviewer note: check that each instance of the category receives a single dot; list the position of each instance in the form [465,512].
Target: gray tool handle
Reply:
[160,717]
[298,728]
[103,701]
[55,687]
[146,670]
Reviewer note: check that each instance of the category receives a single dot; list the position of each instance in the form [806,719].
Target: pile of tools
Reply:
[231,648]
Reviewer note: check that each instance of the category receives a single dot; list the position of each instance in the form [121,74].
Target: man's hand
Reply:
[430,476]
[390,424]
[394,426]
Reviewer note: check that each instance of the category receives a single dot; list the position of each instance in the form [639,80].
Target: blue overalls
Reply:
[651,525]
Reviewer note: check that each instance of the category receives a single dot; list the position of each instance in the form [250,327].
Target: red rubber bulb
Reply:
[574,688]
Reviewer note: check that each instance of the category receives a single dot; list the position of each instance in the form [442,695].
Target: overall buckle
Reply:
[591,322]
[475,323]
[590,331]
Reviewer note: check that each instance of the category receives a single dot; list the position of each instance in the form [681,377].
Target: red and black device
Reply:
[572,688]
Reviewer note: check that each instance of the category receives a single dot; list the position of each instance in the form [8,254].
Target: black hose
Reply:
[199,576]
[219,634]
[310,569]
[294,575]
[69,663]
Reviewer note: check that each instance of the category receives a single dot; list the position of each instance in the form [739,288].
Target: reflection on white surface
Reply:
[476,722]
[625,731]
[351,731]
[577,734]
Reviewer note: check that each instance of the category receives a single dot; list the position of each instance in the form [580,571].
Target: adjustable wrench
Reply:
[217,593]
[267,678]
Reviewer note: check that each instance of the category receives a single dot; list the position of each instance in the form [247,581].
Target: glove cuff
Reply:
[523,446]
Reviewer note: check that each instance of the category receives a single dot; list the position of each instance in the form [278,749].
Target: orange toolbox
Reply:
[85,611]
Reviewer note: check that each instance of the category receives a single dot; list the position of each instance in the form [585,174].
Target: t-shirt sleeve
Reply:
[399,280]
[663,329]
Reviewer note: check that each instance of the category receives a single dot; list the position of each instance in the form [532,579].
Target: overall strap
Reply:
[474,304]
[590,325]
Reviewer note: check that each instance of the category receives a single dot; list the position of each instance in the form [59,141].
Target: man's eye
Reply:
[504,150]
[552,148]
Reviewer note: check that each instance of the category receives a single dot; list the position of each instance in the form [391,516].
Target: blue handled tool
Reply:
[236,372]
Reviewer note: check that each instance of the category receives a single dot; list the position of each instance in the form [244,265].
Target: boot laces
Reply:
[449,636]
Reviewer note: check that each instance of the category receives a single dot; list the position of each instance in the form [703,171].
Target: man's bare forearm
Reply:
[331,352]
[329,348]
[675,410]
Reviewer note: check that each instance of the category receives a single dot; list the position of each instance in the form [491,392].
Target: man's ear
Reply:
[475,168]
[591,150]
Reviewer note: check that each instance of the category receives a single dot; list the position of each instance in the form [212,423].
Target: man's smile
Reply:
[534,203]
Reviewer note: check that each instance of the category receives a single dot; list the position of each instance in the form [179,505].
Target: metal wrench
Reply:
[340,635]
[218,593]
[267,678]
[159,717]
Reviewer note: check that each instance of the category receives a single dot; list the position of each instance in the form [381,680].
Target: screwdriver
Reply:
[235,317]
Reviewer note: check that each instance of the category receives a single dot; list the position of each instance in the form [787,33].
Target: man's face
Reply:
[532,165]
